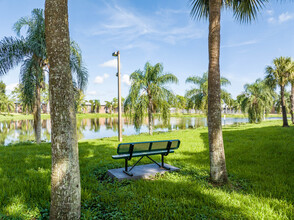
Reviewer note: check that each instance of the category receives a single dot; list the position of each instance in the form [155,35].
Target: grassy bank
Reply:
[259,161]
[204,115]
[14,116]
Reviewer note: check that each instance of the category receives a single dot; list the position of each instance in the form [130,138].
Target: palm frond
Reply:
[28,72]
[246,10]
[78,69]
[12,52]
[200,9]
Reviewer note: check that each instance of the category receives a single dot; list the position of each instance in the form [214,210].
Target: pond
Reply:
[22,130]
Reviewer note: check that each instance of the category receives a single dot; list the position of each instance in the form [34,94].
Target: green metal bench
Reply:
[145,149]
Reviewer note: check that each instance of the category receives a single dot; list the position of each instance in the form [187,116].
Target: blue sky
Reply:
[162,31]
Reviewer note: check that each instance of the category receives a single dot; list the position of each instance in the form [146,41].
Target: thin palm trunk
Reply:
[218,172]
[37,115]
[283,103]
[65,172]
[292,102]
[150,117]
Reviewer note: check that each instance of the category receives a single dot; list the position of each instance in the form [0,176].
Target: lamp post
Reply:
[117,54]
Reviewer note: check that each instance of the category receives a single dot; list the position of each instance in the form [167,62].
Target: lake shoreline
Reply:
[17,116]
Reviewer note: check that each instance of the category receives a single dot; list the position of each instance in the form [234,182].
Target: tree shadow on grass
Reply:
[258,159]
[25,179]
[261,158]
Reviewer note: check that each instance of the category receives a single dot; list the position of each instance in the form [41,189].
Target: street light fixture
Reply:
[117,54]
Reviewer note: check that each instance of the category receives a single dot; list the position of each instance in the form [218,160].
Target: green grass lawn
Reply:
[259,161]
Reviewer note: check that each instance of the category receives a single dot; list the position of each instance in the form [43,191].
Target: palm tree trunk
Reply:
[292,102]
[150,117]
[65,172]
[218,171]
[284,113]
[37,115]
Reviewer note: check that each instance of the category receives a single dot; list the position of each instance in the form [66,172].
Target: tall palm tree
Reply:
[30,51]
[257,100]
[278,75]
[278,105]
[65,172]
[148,91]
[244,11]
[198,96]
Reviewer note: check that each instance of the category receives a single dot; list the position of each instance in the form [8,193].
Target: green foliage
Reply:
[45,93]
[278,103]
[108,105]
[30,51]
[244,11]
[198,97]
[257,100]
[259,157]
[279,73]
[6,103]
[181,102]
[148,92]
[114,104]
[80,101]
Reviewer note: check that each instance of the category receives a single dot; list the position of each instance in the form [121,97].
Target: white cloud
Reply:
[11,87]
[110,63]
[240,44]
[171,12]
[100,79]
[92,93]
[126,79]
[128,26]
[270,12]
[285,17]
[281,19]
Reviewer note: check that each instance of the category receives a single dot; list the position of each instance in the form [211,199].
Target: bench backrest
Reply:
[138,147]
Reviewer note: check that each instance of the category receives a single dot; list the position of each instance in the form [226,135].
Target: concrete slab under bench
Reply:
[141,172]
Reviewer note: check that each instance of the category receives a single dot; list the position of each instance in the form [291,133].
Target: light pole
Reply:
[117,54]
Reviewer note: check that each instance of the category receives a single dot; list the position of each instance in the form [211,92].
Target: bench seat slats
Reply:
[147,153]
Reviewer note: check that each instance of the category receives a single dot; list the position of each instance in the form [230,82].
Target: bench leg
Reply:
[162,163]
[126,168]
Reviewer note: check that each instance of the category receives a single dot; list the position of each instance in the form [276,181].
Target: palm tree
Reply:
[291,79]
[244,11]
[198,96]
[180,103]
[108,105]
[278,104]
[92,105]
[65,172]
[114,104]
[30,51]
[257,100]
[278,75]
[148,91]
[97,105]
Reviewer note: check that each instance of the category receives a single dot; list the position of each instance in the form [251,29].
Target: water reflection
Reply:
[22,130]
